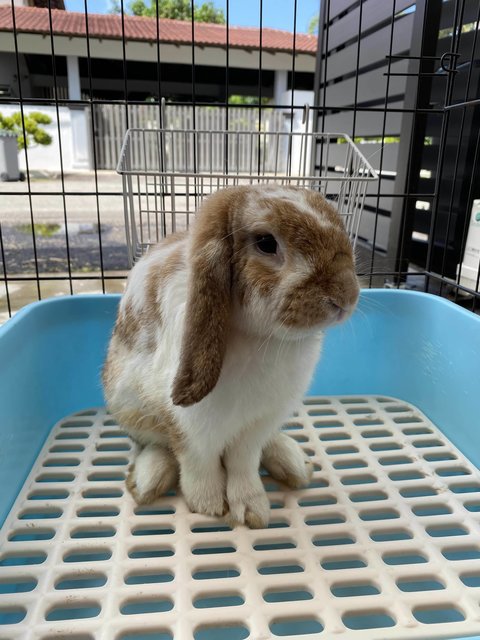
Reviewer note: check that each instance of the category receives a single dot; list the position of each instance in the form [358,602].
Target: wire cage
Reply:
[383,543]
[166,174]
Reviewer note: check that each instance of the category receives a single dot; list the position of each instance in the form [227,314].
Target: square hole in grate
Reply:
[55,477]
[40,513]
[19,559]
[295,626]
[91,580]
[390,535]
[333,540]
[385,446]
[440,531]
[109,476]
[17,584]
[418,492]
[88,555]
[471,579]
[72,435]
[420,583]
[67,448]
[407,474]
[417,431]
[457,554]
[11,614]
[109,461]
[360,410]
[322,412]
[341,563]
[368,496]
[350,463]
[354,589]
[118,433]
[216,600]
[377,433]
[234,631]
[113,446]
[29,535]
[215,573]
[473,506]
[332,437]
[61,462]
[341,450]
[78,612]
[361,621]
[316,519]
[432,509]
[213,549]
[316,501]
[412,419]
[426,444]
[438,614]
[153,530]
[378,514]
[280,568]
[405,557]
[446,472]
[274,544]
[465,487]
[366,478]
[367,422]
[209,528]
[106,492]
[150,552]
[93,532]
[98,512]
[75,424]
[136,606]
[292,595]
[439,456]
[327,424]
[393,460]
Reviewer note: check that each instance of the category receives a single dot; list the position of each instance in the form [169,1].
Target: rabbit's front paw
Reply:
[154,473]
[248,503]
[205,494]
[286,462]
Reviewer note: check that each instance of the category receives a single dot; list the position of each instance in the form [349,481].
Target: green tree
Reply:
[34,132]
[174,9]
[313,26]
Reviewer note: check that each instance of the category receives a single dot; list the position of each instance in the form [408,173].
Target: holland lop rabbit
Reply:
[216,339]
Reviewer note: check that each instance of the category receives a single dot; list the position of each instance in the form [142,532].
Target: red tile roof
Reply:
[68,23]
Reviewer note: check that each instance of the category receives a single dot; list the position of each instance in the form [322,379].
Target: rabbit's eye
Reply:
[266,243]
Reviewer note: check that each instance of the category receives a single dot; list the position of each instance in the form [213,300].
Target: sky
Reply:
[277,14]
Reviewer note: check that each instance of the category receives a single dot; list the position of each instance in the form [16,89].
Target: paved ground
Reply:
[50,207]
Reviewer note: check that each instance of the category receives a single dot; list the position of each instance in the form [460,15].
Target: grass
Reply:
[45,230]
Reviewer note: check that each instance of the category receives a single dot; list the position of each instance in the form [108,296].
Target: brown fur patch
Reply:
[161,428]
[157,277]
[127,325]
[209,298]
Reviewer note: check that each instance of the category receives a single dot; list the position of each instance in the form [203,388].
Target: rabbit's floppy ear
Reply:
[207,315]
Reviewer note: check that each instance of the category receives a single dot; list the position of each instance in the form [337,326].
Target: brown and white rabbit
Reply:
[215,343]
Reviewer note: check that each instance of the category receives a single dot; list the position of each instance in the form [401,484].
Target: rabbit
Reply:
[215,343]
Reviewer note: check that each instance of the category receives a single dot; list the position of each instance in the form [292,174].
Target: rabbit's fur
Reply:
[216,341]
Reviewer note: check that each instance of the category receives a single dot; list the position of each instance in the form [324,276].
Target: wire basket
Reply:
[167,173]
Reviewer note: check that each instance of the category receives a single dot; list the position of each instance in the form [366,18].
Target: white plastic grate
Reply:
[384,543]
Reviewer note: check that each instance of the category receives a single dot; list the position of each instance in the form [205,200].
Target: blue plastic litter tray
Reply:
[385,543]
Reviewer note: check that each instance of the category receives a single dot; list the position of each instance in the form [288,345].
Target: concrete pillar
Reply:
[82,156]
[73,75]
[280,86]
